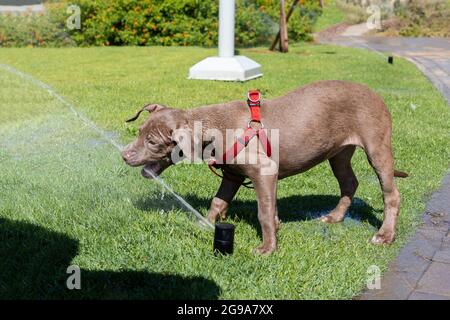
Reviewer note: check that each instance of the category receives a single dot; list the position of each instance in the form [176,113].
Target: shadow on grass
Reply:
[34,260]
[290,209]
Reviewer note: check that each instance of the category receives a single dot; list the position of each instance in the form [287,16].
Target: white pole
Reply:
[226,28]
[226,66]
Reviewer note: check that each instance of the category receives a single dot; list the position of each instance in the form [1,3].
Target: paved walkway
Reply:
[422,269]
[431,55]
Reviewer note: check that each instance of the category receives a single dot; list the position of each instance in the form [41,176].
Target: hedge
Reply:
[154,22]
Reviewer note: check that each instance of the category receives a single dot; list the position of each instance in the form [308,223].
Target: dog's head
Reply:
[163,135]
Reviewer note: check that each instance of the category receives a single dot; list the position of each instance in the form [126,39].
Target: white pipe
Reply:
[226,28]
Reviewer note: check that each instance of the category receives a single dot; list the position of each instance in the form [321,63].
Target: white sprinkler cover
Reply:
[237,68]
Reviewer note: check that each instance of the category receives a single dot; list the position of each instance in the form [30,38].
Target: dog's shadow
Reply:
[34,262]
[290,209]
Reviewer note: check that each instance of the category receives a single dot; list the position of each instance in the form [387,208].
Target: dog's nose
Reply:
[127,154]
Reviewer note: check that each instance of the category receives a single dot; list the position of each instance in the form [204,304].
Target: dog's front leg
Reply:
[266,193]
[220,203]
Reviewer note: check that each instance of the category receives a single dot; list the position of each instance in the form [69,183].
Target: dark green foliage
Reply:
[37,30]
[153,22]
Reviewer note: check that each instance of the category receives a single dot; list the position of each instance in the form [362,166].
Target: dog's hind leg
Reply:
[382,161]
[342,169]
[219,205]
[266,194]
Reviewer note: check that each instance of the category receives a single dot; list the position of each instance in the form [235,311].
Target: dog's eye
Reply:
[150,141]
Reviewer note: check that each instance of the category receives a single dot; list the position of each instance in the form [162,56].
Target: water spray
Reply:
[199,218]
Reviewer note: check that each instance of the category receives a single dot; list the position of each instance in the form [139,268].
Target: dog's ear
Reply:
[150,108]
[186,141]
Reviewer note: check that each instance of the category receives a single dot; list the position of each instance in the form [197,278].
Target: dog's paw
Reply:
[218,210]
[383,238]
[277,223]
[331,218]
[265,250]
[214,216]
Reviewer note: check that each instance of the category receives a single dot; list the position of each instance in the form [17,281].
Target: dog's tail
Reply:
[400,174]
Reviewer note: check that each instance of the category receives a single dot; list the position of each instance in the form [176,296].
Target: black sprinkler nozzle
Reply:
[224,238]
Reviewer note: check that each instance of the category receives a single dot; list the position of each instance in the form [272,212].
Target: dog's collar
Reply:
[254,103]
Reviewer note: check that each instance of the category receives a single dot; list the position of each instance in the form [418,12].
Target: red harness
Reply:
[254,104]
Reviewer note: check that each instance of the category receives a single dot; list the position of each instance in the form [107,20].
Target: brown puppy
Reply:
[322,121]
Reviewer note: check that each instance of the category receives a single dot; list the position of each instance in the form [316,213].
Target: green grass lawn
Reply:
[67,198]
[331,15]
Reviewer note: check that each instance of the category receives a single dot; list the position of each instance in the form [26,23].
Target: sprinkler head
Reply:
[391,60]
[223,238]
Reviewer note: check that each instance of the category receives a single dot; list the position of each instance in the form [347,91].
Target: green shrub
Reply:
[154,22]
[301,22]
[31,30]
[424,18]
[146,22]
[184,22]
[412,17]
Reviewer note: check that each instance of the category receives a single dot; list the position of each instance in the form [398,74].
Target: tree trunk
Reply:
[284,46]
[277,38]
[321,3]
